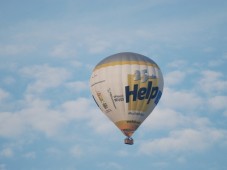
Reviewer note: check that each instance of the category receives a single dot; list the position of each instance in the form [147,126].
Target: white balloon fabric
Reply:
[126,87]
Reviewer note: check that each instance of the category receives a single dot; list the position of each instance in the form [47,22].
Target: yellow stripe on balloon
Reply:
[125,63]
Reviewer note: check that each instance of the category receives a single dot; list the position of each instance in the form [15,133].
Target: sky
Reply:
[48,49]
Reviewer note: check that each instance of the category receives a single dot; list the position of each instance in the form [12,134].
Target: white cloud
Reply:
[110,165]
[34,116]
[7,153]
[79,65]
[181,31]
[9,80]
[77,109]
[2,167]
[192,140]
[84,150]
[100,123]
[37,115]
[123,153]
[164,119]
[181,100]
[76,151]
[218,102]
[177,64]
[212,82]
[209,49]
[174,78]
[41,118]
[217,62]
[52,151]
[15,49]
[96,45]
[181,160]
[169,119]
[76,64]
[3,95]
[11,124]
[78,86]
[45,77]
[30,155]
[63,51]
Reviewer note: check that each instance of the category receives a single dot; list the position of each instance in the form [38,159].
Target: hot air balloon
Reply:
[126,87]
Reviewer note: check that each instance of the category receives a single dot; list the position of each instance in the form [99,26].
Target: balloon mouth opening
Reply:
[127,128]
[128,133]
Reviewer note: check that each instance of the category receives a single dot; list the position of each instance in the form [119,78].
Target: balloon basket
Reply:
[129,141]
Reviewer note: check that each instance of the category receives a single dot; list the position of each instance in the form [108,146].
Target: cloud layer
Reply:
[48,50]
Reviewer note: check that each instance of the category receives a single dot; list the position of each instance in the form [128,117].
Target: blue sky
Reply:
[48,119]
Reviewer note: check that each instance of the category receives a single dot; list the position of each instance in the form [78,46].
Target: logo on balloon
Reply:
[142,86]
[142,93]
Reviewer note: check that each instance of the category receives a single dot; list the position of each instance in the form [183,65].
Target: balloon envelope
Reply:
[126,87]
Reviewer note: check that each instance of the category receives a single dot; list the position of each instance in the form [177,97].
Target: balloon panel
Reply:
[127,87]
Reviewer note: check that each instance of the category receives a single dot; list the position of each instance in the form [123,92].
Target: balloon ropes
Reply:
[127,87]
